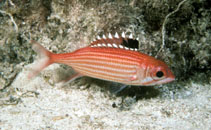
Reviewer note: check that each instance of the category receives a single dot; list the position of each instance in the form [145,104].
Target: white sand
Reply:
[71,107]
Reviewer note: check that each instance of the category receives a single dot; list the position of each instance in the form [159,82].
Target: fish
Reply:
[108,58]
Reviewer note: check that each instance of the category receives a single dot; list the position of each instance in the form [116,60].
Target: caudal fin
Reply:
[43,61]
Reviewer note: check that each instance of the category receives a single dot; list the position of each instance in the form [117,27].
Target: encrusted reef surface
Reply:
[177,32]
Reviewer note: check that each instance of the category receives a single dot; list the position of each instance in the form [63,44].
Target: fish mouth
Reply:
[167,80]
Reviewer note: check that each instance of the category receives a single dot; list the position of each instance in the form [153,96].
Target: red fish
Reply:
[108,59]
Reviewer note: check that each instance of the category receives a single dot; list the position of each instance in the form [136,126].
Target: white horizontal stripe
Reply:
[106,68]
[105,58]
[129,57]
[102,74]
[94,61]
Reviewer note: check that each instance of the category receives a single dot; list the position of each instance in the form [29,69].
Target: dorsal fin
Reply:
[110,39]
[116,41]
[113,45]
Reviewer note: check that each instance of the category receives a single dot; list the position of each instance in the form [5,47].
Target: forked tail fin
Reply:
[43,61]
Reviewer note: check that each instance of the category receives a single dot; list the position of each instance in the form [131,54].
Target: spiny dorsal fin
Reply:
[113,45]
[110,39]
[116,41]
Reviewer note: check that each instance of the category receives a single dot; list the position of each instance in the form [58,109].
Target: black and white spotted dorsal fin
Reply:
[123,40]
[108,39]
[112,45]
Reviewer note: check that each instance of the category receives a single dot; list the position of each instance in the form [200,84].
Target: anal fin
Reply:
[69,79]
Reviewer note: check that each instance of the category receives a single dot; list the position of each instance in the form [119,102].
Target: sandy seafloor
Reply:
[78,107]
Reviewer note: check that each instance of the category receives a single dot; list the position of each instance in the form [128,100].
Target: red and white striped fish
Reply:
[108,59]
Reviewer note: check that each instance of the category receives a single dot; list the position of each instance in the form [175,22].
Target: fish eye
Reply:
[159,74]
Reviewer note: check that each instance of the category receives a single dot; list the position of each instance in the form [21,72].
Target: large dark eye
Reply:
[159,74]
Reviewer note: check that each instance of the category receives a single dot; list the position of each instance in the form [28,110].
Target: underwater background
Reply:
[177,32]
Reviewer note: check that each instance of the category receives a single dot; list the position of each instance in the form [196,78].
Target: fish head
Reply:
[156,73]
